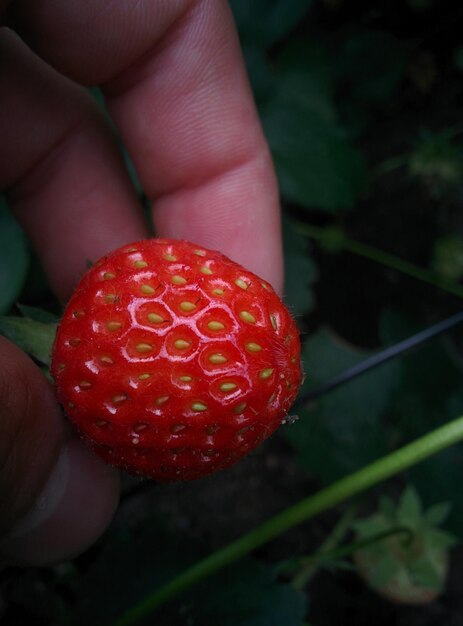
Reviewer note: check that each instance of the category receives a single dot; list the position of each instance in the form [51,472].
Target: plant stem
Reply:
[309,565]
[384,258]
[304,510]
[350,548]
[389,165]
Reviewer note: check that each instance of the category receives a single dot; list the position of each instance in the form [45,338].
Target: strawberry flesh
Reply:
[173,361]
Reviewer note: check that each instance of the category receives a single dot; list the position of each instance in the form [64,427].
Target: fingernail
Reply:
[46,503]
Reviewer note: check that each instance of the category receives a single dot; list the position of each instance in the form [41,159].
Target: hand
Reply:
[175,86]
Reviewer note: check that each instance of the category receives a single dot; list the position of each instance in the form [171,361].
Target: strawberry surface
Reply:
[173,361]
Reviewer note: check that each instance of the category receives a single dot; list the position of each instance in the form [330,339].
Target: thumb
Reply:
[56,497]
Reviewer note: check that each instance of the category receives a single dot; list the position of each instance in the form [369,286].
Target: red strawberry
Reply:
[174,361]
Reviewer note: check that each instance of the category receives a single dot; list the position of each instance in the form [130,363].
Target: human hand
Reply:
[175,86]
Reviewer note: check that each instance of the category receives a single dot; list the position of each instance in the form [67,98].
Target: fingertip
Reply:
[237,213]
[72,512]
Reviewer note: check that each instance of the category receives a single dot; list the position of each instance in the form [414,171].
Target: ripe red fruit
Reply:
[173,361]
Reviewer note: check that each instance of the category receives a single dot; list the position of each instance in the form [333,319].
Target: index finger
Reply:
[176,86]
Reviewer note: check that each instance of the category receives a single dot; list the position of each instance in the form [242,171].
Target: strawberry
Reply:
[173,361]
[405,569]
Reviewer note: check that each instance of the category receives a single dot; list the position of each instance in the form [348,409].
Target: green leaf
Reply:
[343,431]
[409,509]
[149,555]
[424,574]
[384,571]
[440,539]
[316,166]
[326,355]
[265,22]
[35,338]
[246,594]
[430,377]
[419,562]
[447,257]
[430,394]
[14,258]
[441,475]
[260,73]
[38,315]
[438,513]
[304,78]
[300,271]
[371,64]
[371,526]
[387,508]
[437,160]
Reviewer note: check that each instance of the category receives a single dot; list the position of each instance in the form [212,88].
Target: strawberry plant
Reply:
[408,567]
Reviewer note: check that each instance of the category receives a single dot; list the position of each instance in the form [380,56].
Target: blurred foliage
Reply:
[343,430]
[300,271]
[370,66]
[408,568]
[437,161]
[264,23]
[14,258]
[152,555]
[381,410]
[447,258]
[430,394]
[316,165]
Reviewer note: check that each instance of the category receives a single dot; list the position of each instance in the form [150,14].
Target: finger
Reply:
[28,414]
[67,182]
[60,167]
[176,86]
[48,481]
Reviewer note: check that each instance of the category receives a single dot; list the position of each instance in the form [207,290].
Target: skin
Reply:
[177,91]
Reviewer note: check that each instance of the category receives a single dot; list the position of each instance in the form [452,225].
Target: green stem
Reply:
[400,160]
[389,165]
[304,510]
[350,548]
[309,565]
[384,258]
